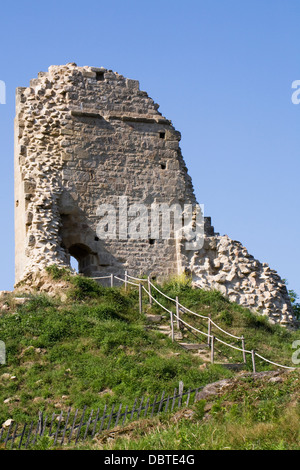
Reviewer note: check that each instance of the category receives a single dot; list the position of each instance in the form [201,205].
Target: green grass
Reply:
[271,341]
[253,415]
[94,349]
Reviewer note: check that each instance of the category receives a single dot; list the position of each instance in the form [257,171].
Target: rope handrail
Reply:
[187,309]
[194,313]
[123,280]
[102,277]
[169,311]
[208,335]
[215,337]
[137,278]
[274,363]
[231,345]
[192,327]
[221,329]
[164,295]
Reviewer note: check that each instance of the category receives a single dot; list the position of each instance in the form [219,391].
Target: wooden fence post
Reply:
[209,330]
[140,298]
[172,326]
[66,426]
[174,399]
[180,392]
[14,436]
[95,423]
[110,417]
[126,279]
[149,290]
[73,426]
[125,415]
[243,347]
[253,360]
[22,435]
[118,415]
[161,402]
[57,429]
[177,314]
[7,436]
[111,280]
[212,345]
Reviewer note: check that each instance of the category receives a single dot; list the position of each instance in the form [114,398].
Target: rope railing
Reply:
[211,338]
[190,326]
[274,363]
[136,278]
[187,309]
[128,282]
[227,333]
[164,295]
[193,313]
[231,345]
[101,277]
[156,301]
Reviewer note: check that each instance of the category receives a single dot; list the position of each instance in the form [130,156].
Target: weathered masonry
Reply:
[86,136]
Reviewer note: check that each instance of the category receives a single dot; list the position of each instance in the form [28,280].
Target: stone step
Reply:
[232,366]
[154,318]
[193,346]
[166,330]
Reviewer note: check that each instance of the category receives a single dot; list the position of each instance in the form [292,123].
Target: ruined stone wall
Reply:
[85,136]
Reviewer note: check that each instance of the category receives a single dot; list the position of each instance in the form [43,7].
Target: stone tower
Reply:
[87,137]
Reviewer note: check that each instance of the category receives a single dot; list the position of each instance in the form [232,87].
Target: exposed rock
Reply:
[213,389]
[7,423]
[247,279]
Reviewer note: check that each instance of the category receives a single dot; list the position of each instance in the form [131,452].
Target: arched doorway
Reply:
[87,260]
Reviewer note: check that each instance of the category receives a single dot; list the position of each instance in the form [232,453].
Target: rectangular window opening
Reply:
[99,76]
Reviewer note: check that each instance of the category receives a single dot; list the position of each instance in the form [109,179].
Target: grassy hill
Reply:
[94,348]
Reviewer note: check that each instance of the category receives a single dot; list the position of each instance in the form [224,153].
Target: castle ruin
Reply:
[87,136]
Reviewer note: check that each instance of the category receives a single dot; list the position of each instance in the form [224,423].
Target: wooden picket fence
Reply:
[70,428]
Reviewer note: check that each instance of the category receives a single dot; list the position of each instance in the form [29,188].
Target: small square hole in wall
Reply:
[151,241]
[99,76]
[163,166]
[96,239]
[162,135]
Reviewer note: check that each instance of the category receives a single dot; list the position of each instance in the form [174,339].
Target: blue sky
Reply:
[221,70]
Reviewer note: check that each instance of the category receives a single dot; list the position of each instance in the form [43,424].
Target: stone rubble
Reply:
[225,265]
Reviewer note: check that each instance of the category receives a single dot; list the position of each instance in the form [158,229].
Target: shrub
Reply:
[84,288]
[58,273]
[258,322]
[179,283]
[226,317]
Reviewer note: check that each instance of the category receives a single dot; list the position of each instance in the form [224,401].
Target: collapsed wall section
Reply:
[225,265]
